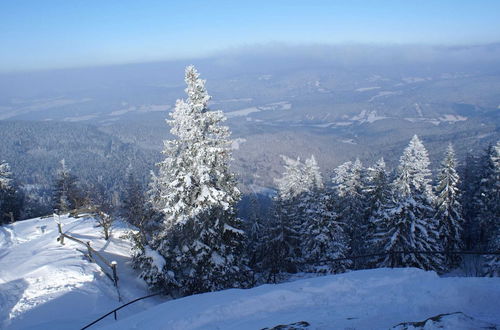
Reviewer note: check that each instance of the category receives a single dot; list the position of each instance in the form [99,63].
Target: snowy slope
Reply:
[370,299]
[44,284]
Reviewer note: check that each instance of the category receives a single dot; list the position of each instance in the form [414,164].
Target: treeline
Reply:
[191,241]
[376,211]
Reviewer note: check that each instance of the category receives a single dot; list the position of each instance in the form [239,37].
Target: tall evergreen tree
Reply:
[491,210]
[469,187]
[304,234]
[350,203]
[379,197]
[449,211]
[322,236]
[409,224]
[282,239]
[492,262]
[255,231]
[199,245]
[488,197]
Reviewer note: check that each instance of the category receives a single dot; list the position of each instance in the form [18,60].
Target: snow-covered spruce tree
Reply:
[283,233]
[323,237]
[448,208]
[5,176]
[488,197]
[492,262]
[67,195]
[469,187]
[409,222]
[10,201]
[492,217]
[134,206]
[350,203]
[254,228]
[199,245]
[303,234]
[378,194]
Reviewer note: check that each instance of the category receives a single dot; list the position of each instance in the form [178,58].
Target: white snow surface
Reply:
[46,285]
[368,299]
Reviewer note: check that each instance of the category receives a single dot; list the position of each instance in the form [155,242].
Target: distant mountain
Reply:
[335,102]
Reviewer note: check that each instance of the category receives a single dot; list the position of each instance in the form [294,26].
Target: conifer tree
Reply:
[350,203]
[304,234]
[488,198]
[282,239]
[449,211]
[379,197]
[491,210]
[10,199]
[409,224]
[199,245]
[134,206]
[322,237]
[469,187]
[67,196]
[255,231]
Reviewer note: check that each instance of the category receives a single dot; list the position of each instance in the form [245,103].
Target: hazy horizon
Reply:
[58,34]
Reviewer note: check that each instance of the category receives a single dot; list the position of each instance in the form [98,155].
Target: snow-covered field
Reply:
[44,285]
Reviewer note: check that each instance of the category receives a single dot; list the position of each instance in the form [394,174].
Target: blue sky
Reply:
[51,34]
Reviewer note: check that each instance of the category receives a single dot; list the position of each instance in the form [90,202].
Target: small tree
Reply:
[10,198]
[67,195]
[134,204]
[105,221]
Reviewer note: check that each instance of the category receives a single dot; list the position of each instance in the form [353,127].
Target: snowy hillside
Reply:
[44,284]
[370,299]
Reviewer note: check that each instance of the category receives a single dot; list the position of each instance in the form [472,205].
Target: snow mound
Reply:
[46,285]
[456,321]
[369,299]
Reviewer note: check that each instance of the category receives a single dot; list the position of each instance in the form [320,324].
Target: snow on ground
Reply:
[368,299]
[383,94]
[46,285]
[366,89]
[367,117]
[452,118]
[282,105]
